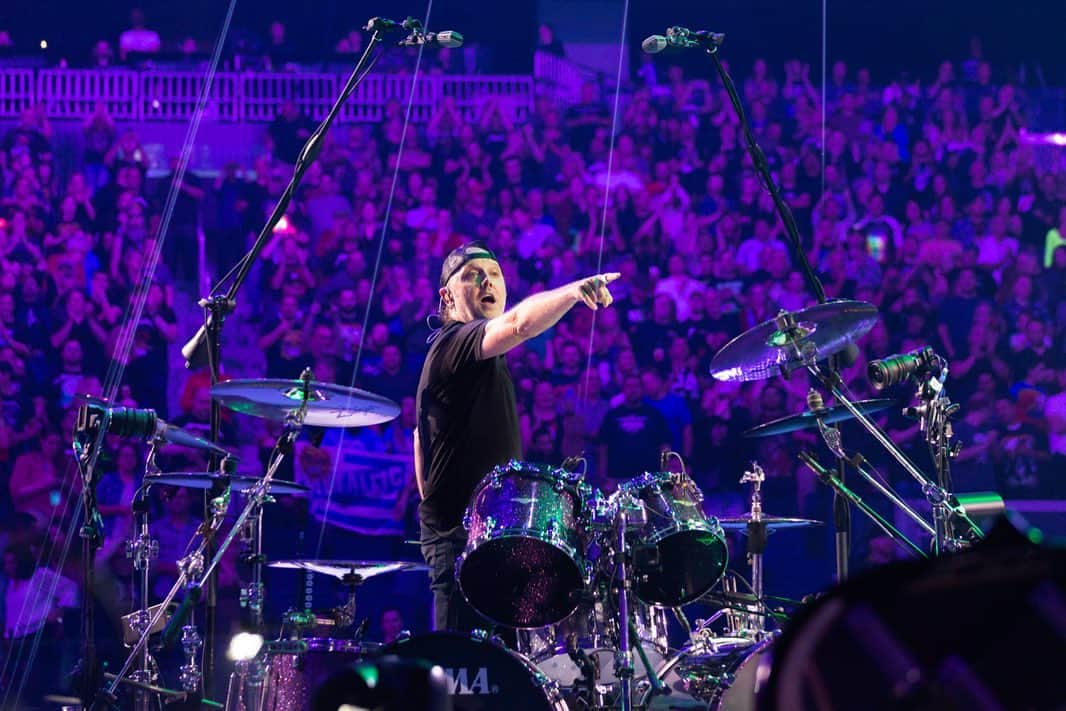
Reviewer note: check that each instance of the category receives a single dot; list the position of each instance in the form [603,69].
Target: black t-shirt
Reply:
[467,422]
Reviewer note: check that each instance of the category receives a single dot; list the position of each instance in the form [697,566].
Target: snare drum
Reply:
[524,563]
[690,551]
[296,667]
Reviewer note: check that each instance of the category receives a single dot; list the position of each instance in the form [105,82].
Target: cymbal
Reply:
[329,405]
[164,431]
[773,523]
[787,341]
[340,569]
[829,415]
[205,480]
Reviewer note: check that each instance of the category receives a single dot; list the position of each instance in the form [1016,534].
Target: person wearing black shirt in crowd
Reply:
[467,415]
[631,437]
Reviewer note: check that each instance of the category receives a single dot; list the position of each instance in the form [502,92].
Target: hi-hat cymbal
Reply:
[773,523]
[328,405]
[792,339]
[829,415]
[205,480]
[361,569]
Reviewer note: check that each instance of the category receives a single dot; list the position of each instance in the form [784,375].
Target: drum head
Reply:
[481,674]
[689,564]
[520,582]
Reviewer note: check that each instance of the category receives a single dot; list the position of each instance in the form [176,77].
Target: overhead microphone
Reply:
[384,24]
[681,38]
[655,44]
[446,39]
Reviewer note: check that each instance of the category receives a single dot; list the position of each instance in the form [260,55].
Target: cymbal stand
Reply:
[187,568]
[630,514]
[941,500]
[757,539]
[832,480]
[141,550]
[250,674]
[934,419]
[252,539]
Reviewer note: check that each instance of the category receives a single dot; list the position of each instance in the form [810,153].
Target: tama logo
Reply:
[467,681]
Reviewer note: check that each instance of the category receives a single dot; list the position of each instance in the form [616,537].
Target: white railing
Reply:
[16,91]
[558,78]
[249,97]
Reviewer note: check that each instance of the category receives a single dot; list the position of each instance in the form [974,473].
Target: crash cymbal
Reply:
[205,480]
[341,569]
[137,422]
[328,405]
[773,523]
[791,339]
[808,419]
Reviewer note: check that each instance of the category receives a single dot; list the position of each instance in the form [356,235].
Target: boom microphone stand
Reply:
[710,42]
[205,347]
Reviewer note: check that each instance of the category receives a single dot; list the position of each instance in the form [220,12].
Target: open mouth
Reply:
[488,299]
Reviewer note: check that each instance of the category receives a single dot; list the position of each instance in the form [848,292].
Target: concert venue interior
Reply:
[541,354]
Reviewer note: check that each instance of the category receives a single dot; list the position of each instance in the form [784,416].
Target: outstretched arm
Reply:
[539,312]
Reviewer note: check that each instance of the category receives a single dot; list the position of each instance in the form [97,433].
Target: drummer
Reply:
[467,416]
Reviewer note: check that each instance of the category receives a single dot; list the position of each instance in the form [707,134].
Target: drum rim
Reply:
[757,647]
[544,472]
[710,525]
[319,644]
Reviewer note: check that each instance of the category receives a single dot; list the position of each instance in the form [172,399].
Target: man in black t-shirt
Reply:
[632,436]
[467,416]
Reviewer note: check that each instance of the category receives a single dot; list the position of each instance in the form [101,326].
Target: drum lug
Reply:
[496,482]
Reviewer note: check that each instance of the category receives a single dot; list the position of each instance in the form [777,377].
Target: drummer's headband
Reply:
[460,256]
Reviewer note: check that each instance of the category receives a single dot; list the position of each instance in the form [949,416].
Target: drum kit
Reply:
[588,586]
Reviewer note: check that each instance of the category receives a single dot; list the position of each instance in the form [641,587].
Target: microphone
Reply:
[897,368]
[121,421]
[655,44]
[383,24]
[446,39]
[681,38]
[139,423]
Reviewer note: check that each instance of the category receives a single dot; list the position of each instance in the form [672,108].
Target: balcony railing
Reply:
[160,95]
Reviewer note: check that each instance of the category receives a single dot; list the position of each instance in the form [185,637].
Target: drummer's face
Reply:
[476,291]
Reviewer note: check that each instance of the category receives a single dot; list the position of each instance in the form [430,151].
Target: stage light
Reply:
[244,646]
[44,44]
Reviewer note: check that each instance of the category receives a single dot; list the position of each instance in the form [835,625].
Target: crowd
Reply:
[248,48]
[930,207]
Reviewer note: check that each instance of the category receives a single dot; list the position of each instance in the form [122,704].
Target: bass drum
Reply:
[725,680]
[597,638]
[296,667]
[482,674]
[523,565]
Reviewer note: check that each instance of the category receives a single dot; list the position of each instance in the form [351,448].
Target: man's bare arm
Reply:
[418,465]
[536,314]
